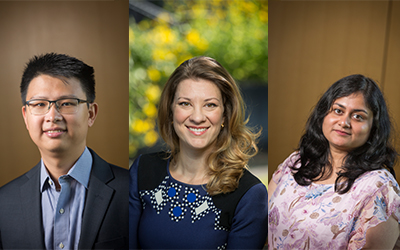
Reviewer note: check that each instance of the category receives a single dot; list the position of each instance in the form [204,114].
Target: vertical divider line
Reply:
[386,46]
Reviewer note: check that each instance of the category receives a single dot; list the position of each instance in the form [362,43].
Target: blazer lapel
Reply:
[31,197]
[97,201]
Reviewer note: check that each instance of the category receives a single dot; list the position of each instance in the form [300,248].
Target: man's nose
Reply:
[53,114]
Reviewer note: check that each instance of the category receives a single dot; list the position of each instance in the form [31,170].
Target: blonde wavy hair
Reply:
[235,144]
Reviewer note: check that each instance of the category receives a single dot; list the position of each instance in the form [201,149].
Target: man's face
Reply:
[56,133]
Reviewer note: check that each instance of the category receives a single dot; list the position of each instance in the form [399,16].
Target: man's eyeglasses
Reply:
[63,105]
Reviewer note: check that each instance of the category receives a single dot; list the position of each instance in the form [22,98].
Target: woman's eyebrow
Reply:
[355,110]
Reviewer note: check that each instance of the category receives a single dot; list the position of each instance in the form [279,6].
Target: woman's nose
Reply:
[197,115]
[345,122]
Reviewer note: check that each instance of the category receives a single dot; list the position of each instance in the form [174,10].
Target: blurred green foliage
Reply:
[234,32]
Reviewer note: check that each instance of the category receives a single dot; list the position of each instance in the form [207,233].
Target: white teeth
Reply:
[54,131]
[198,129]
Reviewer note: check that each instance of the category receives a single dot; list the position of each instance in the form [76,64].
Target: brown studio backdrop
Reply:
[93,31]
[313,44]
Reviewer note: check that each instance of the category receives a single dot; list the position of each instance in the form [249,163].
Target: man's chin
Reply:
[54,150]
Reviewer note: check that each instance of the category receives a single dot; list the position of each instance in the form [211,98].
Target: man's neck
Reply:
[58,164]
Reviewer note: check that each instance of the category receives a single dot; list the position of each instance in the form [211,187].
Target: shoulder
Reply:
[150,169]
[291,160]
[376,197]
[252,189]
[373,187]
[381,175]
[153,160]
[20,181]
[97,160]
[118,170]
[12,194]
[249,185]
[285,167]
[247,181]
[109,173]
[375,180]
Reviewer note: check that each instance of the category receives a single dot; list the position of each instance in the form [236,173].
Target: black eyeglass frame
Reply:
[55,103]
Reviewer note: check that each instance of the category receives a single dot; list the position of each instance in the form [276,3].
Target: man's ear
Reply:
[93,110]
[25,116]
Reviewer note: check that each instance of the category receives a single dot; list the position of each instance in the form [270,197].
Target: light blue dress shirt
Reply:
[62,210]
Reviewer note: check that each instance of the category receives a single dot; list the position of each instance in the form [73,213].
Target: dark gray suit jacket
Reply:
[105,216]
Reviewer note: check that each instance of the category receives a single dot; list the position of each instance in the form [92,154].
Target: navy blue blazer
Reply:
[105,215]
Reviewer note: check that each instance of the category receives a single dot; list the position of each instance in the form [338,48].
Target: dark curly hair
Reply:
[377,153]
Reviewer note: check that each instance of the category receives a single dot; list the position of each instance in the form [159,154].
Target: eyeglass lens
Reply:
[64,106]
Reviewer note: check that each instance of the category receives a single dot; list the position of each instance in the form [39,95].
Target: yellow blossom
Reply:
[140,126]
[162,54]
[150,138]
[153,74]
[150,110]
[248,6]
[153,93]
[263,16]
[159,54]
[163,35]
[193,36]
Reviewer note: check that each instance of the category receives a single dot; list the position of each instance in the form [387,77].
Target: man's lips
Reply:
[56,132]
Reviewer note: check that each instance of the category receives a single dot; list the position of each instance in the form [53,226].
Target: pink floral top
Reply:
[316,217]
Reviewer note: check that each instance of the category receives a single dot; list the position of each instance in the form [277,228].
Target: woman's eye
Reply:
[358,117]
[184,104]
[337,111]
[211,105]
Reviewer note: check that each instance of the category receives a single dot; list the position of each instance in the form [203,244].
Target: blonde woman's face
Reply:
[197,114]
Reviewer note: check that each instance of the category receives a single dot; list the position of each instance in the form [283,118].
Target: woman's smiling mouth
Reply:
[197,130]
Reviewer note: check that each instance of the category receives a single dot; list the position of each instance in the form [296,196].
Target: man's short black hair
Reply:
[59,65]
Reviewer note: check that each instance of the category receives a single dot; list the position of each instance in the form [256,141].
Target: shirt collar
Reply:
[80,171]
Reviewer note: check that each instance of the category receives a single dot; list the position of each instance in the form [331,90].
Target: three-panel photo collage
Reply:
[200,124]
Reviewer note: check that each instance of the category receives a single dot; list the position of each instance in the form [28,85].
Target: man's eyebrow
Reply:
[45,98]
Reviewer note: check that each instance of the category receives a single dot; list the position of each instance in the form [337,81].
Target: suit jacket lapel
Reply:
[32,208]
[97,200]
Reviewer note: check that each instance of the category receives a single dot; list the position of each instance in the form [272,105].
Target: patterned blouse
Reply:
[316,217]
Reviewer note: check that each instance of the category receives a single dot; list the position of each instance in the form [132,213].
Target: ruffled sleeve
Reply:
[381,202]
[284,168]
